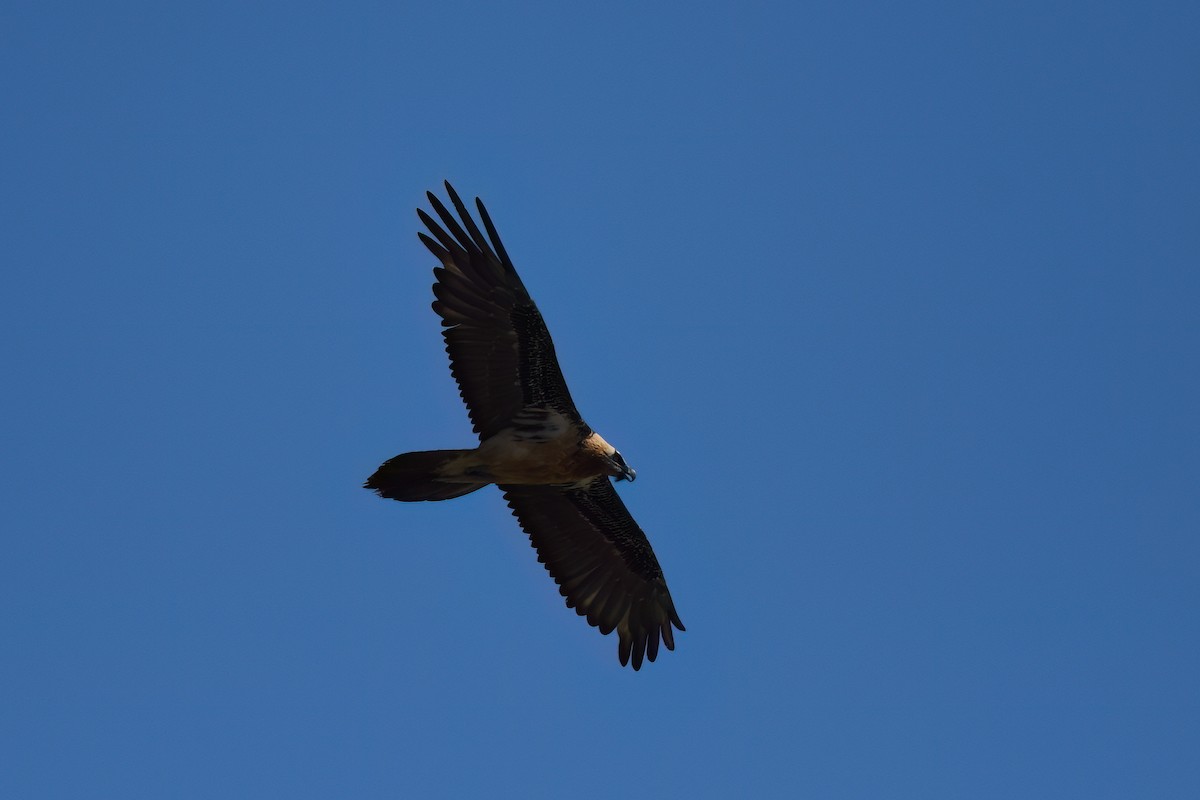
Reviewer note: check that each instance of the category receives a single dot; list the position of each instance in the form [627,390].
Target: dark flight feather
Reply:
[500,351]
[589,530]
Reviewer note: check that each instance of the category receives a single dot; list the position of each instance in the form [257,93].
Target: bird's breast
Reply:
[512,456]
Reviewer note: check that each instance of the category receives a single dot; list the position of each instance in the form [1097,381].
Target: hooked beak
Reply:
[627,474]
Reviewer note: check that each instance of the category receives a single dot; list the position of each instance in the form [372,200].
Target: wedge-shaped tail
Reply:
[411,477]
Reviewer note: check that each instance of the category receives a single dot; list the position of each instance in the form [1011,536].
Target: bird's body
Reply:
[554,470]
[513,457]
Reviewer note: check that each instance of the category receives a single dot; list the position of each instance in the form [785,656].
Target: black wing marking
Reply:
[601,561]
[500,351]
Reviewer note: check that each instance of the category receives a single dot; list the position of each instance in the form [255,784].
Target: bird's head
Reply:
[606,454]
[624,472]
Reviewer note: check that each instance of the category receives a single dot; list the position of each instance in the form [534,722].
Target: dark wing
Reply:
[601,561]
[500,351]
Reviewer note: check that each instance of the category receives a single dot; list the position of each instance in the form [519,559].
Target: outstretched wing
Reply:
[500,352]
[601,561]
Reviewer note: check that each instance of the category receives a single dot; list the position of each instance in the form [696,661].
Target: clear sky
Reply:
[893,306]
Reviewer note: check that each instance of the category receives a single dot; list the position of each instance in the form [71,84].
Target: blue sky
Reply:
[892,306]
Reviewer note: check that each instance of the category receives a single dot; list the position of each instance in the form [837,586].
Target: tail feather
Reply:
[411,477]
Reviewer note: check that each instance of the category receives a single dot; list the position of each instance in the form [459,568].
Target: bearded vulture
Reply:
[553,469]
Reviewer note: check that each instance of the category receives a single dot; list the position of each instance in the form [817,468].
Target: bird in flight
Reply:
[553,469]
